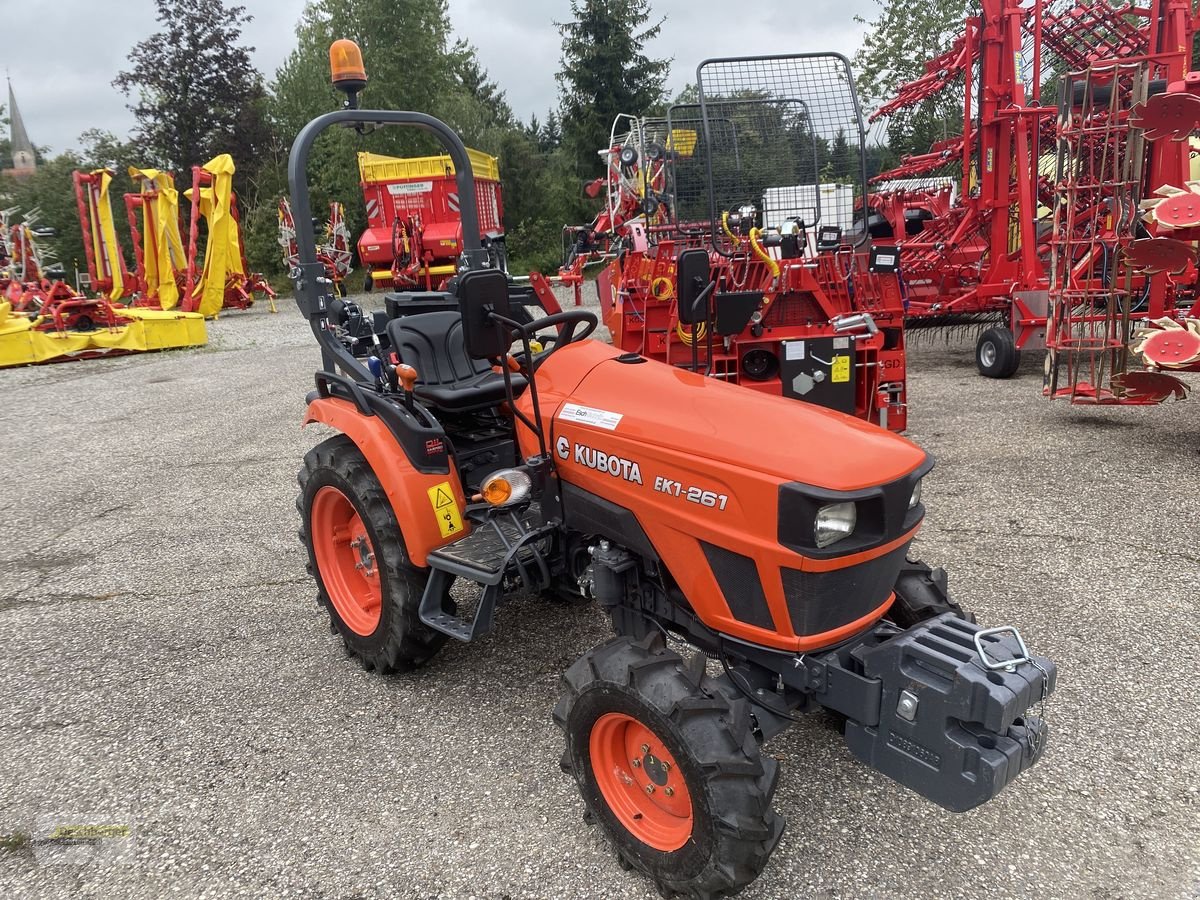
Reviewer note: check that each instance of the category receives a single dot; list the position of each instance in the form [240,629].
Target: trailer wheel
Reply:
[996,353]
[922,593]
[669,766]
[356,554]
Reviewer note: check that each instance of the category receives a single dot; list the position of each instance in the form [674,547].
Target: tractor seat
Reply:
[447,378]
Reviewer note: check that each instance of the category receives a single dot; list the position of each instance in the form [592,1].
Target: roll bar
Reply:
[314,292]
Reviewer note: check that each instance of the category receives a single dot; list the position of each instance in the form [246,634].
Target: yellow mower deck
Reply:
[142,330]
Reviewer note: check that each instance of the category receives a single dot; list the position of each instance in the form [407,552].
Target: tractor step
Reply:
[484,554]
[435,615]
[496,547]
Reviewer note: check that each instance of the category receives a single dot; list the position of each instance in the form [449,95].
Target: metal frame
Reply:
[844,63]
[313,288]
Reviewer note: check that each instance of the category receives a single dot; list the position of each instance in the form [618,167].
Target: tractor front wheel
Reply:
[669,765]
[356,554]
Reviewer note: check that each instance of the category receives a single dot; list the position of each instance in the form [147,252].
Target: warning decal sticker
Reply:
[841,369]
[441,498]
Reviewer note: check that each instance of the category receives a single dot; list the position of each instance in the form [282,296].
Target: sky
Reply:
[66,86]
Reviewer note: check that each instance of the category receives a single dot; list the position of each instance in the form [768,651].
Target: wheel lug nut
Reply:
[637,763]
[649,789]
[669,791]
[645,748]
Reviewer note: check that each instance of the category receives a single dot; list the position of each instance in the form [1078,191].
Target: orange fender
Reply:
[426,519]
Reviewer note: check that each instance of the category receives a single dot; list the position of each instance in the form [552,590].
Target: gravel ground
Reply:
[164,665]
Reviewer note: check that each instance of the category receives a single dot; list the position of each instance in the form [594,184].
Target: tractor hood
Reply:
[676,410]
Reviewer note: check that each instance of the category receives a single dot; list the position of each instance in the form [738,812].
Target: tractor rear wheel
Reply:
[356,554]
[669,765]
[996,353]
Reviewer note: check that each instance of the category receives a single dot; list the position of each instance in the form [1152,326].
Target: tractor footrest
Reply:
[484,554]
[433,614]
[953,721]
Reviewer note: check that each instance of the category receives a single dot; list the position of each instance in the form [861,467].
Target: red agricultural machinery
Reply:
[334,251]
[1035,236]
[479,456]
[634,189]
[802,303]
[414,224]
[27,266]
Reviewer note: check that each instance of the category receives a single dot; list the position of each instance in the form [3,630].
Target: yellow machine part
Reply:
[682,141]
[373,167]
[145,329]
[223,252]
[104,234]
[164,256]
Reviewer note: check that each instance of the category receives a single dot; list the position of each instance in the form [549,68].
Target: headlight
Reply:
[835,522]
[506,487]
[916,495]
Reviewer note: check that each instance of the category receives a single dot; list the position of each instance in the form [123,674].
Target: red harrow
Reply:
[334,252]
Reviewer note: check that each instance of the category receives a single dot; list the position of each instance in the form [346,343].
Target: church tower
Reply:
[24,160]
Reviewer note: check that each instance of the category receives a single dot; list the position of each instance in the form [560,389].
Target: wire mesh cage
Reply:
[783,145]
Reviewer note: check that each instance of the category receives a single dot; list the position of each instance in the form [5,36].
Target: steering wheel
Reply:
[568,319]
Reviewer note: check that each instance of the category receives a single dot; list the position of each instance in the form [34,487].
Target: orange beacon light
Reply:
[346,67]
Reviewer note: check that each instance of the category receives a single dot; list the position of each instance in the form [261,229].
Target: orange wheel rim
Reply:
[346,559]
[641,782]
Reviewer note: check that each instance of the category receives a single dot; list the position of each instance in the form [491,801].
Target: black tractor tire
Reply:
[921,594]
[996,353]
[368,283]
[729,783]
[400,642]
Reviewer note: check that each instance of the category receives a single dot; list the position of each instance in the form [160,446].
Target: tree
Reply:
[549,135]
[899,41]
[48,191]
[604,72]
[196,92]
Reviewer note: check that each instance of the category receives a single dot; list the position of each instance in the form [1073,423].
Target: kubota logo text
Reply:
[616,466]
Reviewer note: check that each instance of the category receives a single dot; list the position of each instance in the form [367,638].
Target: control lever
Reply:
[378,370]
[407,376]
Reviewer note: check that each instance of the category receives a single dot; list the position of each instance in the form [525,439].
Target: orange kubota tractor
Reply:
[769,535]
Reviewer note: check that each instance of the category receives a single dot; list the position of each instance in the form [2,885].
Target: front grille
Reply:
[822,601]
[738,579]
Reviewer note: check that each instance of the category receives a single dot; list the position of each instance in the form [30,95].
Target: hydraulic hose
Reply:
[772,265]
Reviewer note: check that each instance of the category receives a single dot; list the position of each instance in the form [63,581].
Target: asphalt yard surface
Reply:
[166,674]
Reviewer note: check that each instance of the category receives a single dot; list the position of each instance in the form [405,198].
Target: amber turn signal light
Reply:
[346,66]
[506,487]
